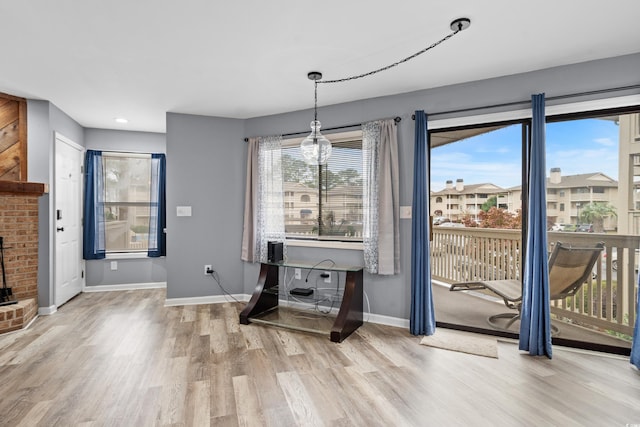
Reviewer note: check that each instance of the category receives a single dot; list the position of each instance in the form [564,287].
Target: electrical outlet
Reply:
[207,268]
[114,265]
[297,274]
[327,279]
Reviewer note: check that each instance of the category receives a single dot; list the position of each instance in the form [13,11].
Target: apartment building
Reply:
[566,196]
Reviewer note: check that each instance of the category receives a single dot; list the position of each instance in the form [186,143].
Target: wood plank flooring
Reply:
[123,359]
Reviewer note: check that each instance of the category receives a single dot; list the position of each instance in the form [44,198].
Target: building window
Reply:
[330,195]
[561,207]
[438,199]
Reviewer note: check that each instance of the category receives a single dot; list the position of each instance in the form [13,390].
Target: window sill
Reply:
[126,255]
[328,244]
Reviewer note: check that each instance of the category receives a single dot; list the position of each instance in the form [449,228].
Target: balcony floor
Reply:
[465,309]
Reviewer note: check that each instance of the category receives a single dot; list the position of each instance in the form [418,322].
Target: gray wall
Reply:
[207,162]
[130,271]
[43,119]
[205,170]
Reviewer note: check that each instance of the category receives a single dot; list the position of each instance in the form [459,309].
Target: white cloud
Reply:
[607,142]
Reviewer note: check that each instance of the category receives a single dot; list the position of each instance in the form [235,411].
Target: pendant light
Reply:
[315,148]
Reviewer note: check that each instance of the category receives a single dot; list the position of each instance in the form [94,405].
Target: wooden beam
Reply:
[14,187]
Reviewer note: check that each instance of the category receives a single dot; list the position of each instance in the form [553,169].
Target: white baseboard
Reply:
[386,320]
[217,299]
[47,311]
[211,299]
[125,287]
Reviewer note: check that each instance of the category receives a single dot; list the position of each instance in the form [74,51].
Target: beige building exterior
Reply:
[341,210]
[628,203]
[455,202]
[566,195]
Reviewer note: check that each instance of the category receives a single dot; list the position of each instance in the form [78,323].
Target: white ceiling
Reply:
[97,60]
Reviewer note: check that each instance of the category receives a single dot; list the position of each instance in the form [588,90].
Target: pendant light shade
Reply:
[315,148]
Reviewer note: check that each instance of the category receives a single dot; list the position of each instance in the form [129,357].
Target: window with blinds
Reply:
[127,195]
[324,202]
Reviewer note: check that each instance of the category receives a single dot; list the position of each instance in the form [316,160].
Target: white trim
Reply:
[217,299]
[333,137]
[386,320]
[125,287]
[479,119]
[67,141]
[211,299]
[550,110]
[47,311]
[133,155]
[127,255]
[328,244]
[596,104]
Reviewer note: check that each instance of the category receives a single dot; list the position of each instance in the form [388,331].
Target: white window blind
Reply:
[324,202]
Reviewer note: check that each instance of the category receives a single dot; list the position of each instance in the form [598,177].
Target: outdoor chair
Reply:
[569,268]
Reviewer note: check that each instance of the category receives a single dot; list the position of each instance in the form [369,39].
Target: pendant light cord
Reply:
[315,102]
[459,28]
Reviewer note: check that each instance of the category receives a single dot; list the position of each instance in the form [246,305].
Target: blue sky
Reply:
[577,146]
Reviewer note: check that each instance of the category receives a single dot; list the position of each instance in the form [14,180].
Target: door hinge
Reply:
[82,274]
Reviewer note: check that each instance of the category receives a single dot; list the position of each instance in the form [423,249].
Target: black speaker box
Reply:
[275,252]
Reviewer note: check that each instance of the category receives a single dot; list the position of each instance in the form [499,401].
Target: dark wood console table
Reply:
[264,305]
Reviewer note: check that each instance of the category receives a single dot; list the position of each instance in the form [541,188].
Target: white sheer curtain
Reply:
[381,207]
[264,198]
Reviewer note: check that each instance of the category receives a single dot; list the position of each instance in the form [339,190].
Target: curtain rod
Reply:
[551,98]
[396,119]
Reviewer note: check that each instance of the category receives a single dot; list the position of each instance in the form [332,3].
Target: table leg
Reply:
[350,315]
[265,295]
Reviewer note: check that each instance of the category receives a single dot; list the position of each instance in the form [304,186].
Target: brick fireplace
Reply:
[19,230]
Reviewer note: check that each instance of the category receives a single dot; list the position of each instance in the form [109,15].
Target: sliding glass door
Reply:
[478,203]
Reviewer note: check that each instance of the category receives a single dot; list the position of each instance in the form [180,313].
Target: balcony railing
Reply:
[606,301]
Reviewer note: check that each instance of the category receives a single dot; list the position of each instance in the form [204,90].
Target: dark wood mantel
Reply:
[27,188]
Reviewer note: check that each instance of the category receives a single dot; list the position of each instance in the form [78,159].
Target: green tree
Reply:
[595,213]
[296,170]
[490,203]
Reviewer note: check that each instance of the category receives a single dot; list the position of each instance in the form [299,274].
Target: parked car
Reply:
[452,224]
[614,259]
[585,228]
[440,220]
[559,226]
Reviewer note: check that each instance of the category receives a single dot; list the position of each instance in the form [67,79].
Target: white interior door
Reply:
[67,219]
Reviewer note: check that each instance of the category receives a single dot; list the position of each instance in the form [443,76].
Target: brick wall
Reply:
[19,228]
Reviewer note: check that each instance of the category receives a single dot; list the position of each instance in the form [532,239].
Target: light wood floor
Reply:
[122,359]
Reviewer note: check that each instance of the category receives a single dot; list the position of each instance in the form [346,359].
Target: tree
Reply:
[296,170]
[490,203]
[595,213]
[500,218]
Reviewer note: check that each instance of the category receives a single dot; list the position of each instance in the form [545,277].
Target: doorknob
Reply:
[60,229]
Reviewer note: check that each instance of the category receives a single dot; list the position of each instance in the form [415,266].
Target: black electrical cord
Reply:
[317,264]
[214,274]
